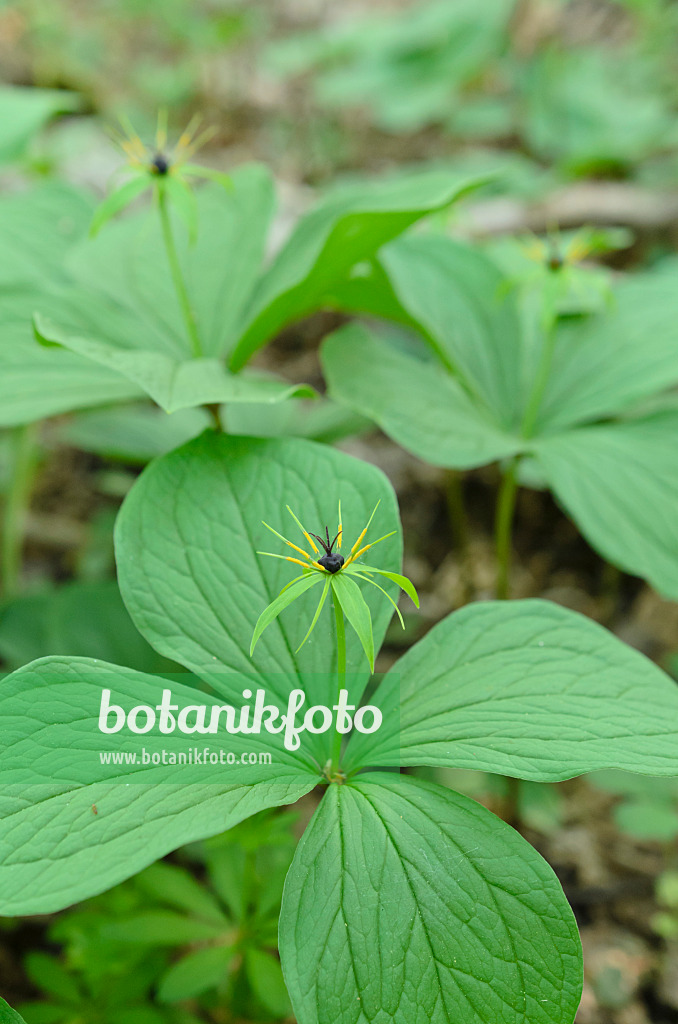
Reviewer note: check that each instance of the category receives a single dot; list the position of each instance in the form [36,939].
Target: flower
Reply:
[325,564]
[166,172]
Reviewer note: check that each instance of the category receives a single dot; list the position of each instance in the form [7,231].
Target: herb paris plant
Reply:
[585,405]
[178,303]
[527,689]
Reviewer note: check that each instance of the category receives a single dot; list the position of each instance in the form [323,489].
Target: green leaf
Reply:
[162,928]
[368,290]
[38,229]
[80,619]
[37,1013]
[229,876]
[266,979]
[8,1015]
[475,926]
[132,433]
[36,382]
[594,107]
[177,887]
[396,577]
[413,399]
[281,602]
[70,826]
[24,111]
[459,299]
[120,297]
[527,689]
[117,201]
[194,974]
[187,540]
[49,975]
[127,265]
[647,820]
[347,592]
[173,384]
[611,361]
[619,482]
[183,199]
[348,227]
[318,420]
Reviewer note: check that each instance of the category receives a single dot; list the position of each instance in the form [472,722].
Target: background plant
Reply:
[220,933]
[582,403]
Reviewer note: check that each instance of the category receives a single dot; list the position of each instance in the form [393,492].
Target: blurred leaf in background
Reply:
[23,112]
[86,619]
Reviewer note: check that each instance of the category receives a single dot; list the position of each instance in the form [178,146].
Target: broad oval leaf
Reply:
[187,540]
[527,689]
[38,229]
[415,401]
[8,1015]
[460,300]
[617,358]
[71,826]
[345,229]
[619,482]
[127,264]
[407,902]
[174,384]
[23,112]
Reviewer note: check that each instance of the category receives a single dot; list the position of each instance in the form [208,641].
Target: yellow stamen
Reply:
[298,561]
[306,534]
[131,153]
[579,248]
[133,140]
[352,557]
[319,566]
[339,534]
[197,143]
[535,250]
[161,131]
[288,542]
[360,538]
[188,133]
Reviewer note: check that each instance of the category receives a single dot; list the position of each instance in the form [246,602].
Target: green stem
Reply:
[506,505]
[16,505]
[506,502]
[549,321]
[177,275]
[341,678]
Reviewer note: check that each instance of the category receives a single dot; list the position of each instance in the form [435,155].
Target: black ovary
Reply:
[332,563]
[160,164]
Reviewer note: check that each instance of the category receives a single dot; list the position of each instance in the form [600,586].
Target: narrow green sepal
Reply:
[395,577]
[117,201]
[285,598]
[321,602]
[356,610]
